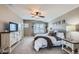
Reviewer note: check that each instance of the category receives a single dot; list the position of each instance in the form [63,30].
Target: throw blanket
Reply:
[49,42]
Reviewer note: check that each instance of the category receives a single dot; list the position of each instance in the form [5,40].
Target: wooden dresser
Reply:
[7,40]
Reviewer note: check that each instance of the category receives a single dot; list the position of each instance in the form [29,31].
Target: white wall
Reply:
[56,26]
[71,17]
[6,15]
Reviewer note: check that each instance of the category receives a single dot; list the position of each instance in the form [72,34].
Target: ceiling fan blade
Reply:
[42,16]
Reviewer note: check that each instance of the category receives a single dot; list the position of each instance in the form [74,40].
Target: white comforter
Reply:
[42,43]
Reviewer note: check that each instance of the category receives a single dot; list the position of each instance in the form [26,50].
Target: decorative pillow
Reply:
[52,34]
[61,35]
[49,34]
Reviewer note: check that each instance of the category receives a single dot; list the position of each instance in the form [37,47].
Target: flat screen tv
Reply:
[11,27]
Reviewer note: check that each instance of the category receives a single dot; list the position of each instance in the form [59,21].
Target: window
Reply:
[39,28]
[26,25]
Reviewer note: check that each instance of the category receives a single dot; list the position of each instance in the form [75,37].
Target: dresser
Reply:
[70,46]
[8,40]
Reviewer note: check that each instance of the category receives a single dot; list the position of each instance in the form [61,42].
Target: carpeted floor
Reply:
[26,47]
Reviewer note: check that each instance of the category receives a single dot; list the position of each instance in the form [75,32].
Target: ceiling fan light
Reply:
[37,13]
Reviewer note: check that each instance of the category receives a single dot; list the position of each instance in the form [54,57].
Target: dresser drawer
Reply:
[68,44]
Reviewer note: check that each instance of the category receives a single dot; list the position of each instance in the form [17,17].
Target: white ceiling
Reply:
[51,11]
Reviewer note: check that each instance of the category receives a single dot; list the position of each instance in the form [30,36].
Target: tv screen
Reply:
[13,27]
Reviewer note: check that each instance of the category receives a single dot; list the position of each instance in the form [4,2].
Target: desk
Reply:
[70,46]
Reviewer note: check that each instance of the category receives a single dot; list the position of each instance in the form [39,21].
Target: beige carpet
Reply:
[26,47]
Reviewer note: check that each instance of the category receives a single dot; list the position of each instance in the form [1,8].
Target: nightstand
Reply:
[70,46]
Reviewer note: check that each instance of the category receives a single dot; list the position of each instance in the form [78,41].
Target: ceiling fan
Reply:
[37,13]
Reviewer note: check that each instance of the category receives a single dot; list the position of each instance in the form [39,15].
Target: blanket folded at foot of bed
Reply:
[49,42]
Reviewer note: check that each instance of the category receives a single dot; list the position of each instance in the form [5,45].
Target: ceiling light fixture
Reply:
[37,13]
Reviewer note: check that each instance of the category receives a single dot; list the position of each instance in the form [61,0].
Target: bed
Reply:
[47,40]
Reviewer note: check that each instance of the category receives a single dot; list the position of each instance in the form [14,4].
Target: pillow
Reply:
[61,35]
[49,34]
[52,33]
